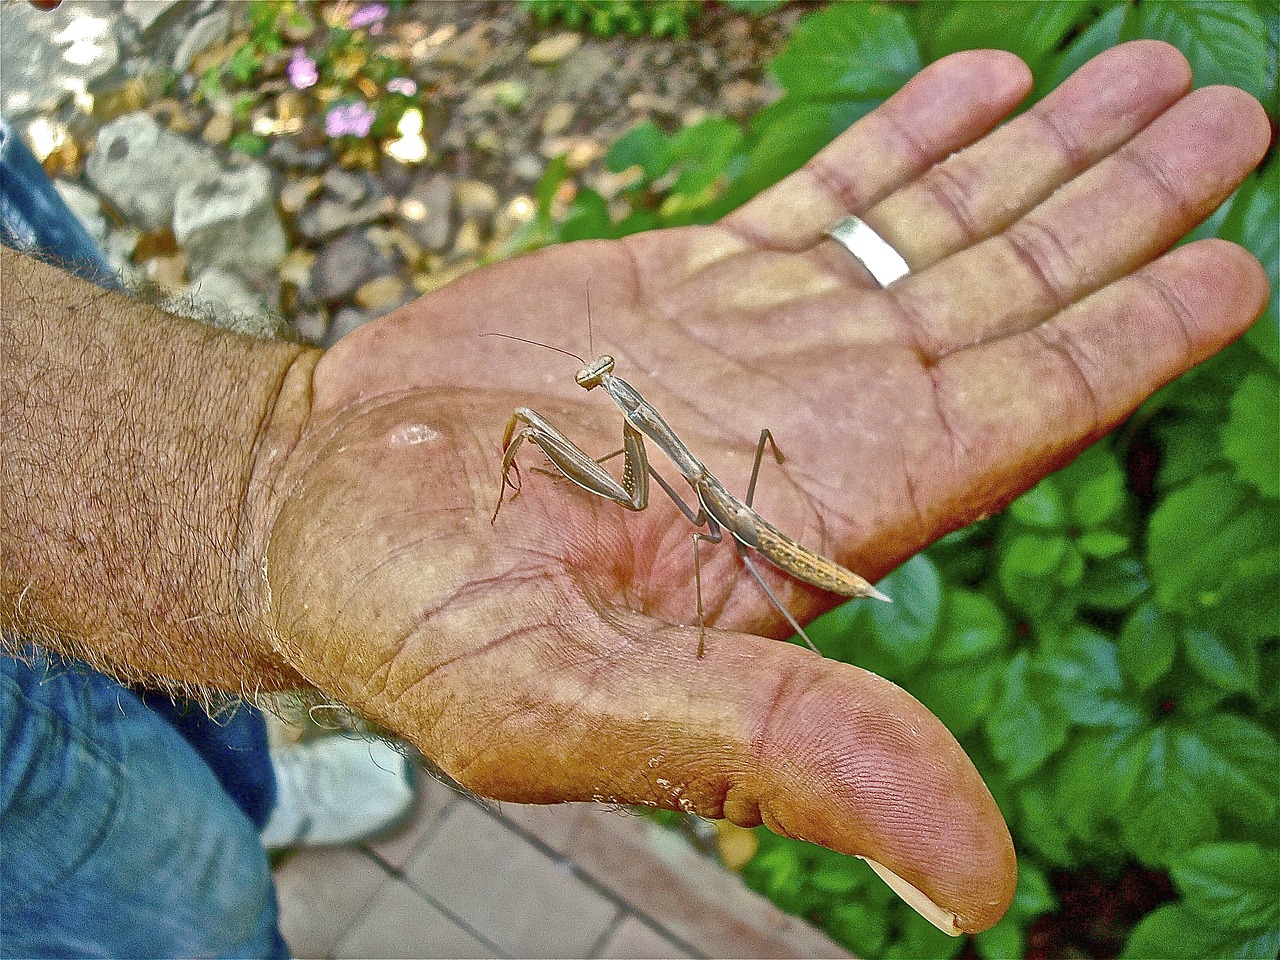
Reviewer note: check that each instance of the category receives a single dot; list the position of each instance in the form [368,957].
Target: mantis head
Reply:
[593,374]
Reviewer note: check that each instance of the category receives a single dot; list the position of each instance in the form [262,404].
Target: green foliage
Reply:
[1107,649]
[606,18]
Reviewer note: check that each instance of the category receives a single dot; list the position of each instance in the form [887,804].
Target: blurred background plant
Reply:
[1107,649]
[300,61]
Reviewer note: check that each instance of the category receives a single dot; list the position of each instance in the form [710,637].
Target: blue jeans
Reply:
[128,824]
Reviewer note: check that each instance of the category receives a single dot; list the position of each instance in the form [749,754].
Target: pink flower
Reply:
[402,85]
[349,119]
[302,70]
[370,15]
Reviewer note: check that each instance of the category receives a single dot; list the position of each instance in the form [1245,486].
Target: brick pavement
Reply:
[464,879]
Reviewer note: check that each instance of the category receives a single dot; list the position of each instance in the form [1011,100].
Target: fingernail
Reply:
[944,920]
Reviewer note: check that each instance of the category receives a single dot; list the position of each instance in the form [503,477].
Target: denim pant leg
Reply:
[33,217]
[118,841]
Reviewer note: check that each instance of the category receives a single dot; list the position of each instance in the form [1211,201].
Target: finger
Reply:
[1103,224]
[982,189]
[1022,405]
[755,731]
[946,106]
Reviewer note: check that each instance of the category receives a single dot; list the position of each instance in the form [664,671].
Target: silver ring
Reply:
[870,249]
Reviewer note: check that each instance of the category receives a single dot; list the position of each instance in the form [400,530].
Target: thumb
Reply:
[755,731]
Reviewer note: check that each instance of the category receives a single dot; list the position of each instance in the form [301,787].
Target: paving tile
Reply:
[553,824]
[433,797]
[321,892]
[400,923]
[505,888]
[633,938]
[692,897]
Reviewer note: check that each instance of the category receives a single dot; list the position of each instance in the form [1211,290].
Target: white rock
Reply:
[139,167]
[230,221]
[47,56]
[204,33]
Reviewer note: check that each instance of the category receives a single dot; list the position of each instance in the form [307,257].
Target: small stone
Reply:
[548,52]
[145,13]
[225,300]
[383,294]
[527,167]
[218,130]
[326,219]
[139,168]
[203,34]
[46,55]
[466,243]
[557,118]
[297,192]
[344,186]
[344,264]
[168,273]
[510,93]
[172,115]
[86,207]
[296,266]
[311,325]
[427,211]
[344,321]
[476,199]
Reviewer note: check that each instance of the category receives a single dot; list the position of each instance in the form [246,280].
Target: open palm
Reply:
[549,656]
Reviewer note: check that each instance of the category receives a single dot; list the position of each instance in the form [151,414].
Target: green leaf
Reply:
[1098,490]
[1242,763]
[1173,933]
[1004,941]
[643,146]
[1041,506]
[588,217]
[703,151]
[1251,437]
[1023,729]
[1102,34]
[1102,543]
[1033,556]
[1233,886]
[1031,30]
[1224,42]
[1226,659]
[1083,679]
[1114,584]
[959,696]
[907,626]
[787,135]
[1168,811]
[1197,537]
[974,627]
[1146,645]
[855,50]
[1096,778]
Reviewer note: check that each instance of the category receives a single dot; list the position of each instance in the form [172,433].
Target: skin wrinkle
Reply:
[946,192]
[1037,247]
[1053,341]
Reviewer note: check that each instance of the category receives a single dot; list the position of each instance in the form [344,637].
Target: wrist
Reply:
[131,481]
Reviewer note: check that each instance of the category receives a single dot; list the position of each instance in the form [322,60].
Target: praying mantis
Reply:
[718,509]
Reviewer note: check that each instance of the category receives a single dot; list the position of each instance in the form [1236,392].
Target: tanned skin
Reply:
[203,510]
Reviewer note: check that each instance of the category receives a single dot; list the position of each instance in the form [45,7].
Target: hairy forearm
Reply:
[129,489]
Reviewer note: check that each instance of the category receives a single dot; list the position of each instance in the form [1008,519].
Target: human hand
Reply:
[542,658]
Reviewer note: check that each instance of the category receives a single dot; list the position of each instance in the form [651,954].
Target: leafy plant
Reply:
[606,18]
[1108,648]
[336,69]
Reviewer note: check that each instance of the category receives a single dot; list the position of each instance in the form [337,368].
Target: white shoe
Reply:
[332,790]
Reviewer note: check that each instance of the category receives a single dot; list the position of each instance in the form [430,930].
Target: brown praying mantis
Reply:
[718,509]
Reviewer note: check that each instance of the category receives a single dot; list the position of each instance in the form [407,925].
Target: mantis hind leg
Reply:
[773,597]
[765,435]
